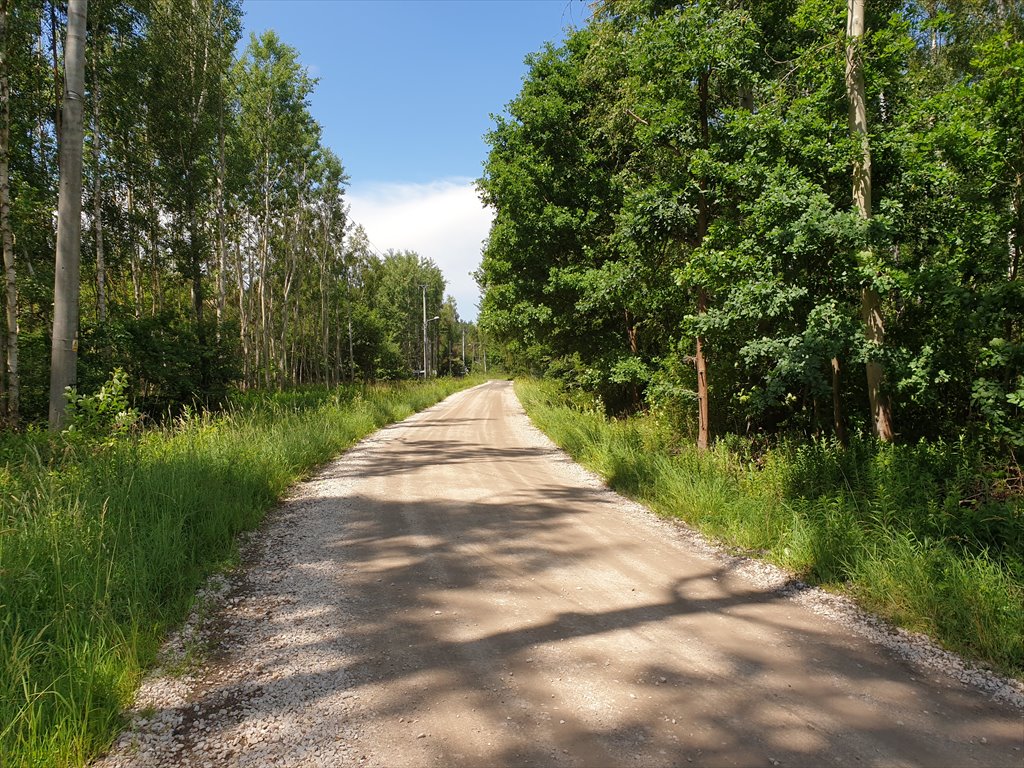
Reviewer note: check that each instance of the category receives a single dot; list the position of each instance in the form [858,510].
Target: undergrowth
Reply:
[900,527]
[103,543]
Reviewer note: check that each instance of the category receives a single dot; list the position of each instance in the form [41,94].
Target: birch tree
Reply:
[871,302]
[6,235]
[64,355]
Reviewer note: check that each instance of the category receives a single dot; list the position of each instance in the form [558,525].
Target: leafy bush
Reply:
[999,394]
[106,415]
[170,364]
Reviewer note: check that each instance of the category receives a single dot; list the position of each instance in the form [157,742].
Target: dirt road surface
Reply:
[455,592]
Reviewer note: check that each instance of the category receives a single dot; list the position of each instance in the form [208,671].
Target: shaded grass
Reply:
[884,523]
[102,547]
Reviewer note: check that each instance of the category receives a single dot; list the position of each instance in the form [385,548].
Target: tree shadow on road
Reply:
[549,633]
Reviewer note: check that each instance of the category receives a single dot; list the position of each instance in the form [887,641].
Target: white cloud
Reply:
[442,220]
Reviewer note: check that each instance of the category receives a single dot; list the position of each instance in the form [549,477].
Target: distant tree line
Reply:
[777,216]
[215,247]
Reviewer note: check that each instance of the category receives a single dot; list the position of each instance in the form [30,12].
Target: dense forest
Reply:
[215,245]
[785,217]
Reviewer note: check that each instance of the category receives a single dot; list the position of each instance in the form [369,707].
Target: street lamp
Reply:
[425,321]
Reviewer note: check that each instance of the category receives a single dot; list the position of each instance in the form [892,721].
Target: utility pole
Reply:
[424,287]
[464,370]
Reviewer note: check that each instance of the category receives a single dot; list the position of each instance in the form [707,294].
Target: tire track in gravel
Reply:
[454,591]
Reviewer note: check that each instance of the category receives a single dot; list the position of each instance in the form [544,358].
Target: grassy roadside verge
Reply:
[885,524]
[102,548]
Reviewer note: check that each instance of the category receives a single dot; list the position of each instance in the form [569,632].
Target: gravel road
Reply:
[454,591]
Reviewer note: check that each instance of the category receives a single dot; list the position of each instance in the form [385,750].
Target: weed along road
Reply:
[455,592]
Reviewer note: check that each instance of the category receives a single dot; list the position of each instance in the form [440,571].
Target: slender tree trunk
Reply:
[325,338]
[97,193]
[338,359]
[198,298]
[703,404]
[4,412]
[838,424]
[250,315]
[157,304]
[58,85]
[40,118]
[351,353]
[703,222]
[871,302]
[136,256]
[64,353]
[12,383]
[243,315]
[291,271]
[221,213]
[265,257]
[631,334]
[155,286]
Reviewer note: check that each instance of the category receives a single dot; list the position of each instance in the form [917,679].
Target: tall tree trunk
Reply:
[243,314]
[136,248]
[324,322]
[244,285]
[97,192]
[871,302]
[265,257]
[703,223]
[12,383]
[198,298]
[156,286]
[58,85]
[337,351]
[703,404]
[64,354]
[40,132]
[351,354]
[221,213]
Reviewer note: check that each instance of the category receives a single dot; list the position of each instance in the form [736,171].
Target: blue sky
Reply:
[405,96]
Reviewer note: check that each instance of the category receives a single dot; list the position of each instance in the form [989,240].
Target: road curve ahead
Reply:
[454,592]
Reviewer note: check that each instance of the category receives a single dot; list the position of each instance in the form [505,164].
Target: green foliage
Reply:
[103,546]
[682,171]
[169,363]
[105,416]
[999,395]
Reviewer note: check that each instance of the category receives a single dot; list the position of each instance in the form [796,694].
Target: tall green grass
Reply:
[102,547]
[887,524]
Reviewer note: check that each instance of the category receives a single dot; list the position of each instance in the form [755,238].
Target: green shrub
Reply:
[104,416]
